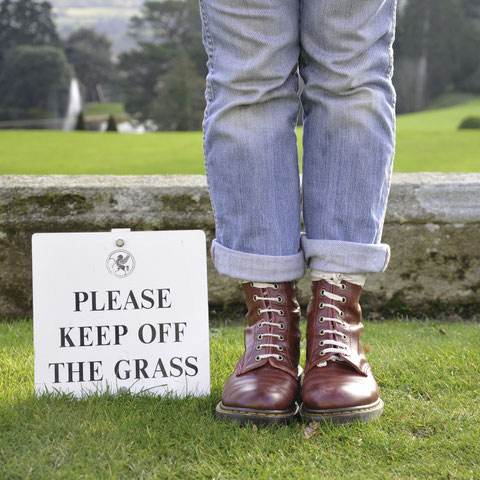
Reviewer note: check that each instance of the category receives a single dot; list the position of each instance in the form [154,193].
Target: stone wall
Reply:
[432,225]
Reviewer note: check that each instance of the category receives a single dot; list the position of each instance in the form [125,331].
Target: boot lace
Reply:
[334,346]
[279,325]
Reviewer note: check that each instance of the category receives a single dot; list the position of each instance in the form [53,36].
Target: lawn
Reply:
[45,152]
[428,375]
[95,108]
[426,141]
[429,141]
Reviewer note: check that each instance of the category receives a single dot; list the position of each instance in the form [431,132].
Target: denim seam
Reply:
[209,97]
[393,16]
[210,52]
[391,38]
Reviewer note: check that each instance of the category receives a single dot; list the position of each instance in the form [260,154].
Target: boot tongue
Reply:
[337,278]
[334,358]
[260,284]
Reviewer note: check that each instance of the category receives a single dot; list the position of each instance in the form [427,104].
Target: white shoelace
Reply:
[336,346]
[274,324]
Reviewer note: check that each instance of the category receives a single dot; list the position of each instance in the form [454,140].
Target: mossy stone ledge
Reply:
[432,225]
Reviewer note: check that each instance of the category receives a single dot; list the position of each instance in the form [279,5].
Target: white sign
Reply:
[121,310]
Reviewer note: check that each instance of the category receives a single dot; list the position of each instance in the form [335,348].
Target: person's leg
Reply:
[250,145]
[251,162]
[349,141]
[349,131]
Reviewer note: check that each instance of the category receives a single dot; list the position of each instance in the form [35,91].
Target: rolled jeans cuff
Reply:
[255,267]
[345,257]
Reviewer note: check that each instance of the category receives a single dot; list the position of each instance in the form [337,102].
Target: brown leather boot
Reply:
[264,386]
[338,383]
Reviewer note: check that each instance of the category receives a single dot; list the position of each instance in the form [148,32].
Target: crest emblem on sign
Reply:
[120,263]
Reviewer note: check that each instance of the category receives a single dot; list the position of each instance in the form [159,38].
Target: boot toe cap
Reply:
[261,390]
[324,391]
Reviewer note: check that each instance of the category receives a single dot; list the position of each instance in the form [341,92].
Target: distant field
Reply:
[429,141]
[44,152]
[103,108]
[426,141]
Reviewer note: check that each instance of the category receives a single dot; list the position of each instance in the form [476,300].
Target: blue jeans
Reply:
[256,50]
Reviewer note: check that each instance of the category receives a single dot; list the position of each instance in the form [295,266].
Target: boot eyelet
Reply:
[321,305]
[321,319]
[275,286]
[257,358]
[322,343]
[342,314]
[322,332]
[281,313]
[344,299]
[343,286]
[280,358]
[322,353]
[344,337]
[344,325]
[279,299]
[280,348]
[255,298]
[281,338]
[258,347]
[259,312]
[282,326]
[251,284]
[260,325]
[260,337]
[322,292]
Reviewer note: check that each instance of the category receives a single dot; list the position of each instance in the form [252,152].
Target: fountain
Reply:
[74,105]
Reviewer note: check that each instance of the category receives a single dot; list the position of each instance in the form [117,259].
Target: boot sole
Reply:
[257,417]
[363,414]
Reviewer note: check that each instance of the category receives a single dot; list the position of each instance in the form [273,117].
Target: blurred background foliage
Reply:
[160,76]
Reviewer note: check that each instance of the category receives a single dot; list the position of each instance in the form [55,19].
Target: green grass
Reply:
[95,108]
[426,141]
[429,141]
[428,375]
[44,152]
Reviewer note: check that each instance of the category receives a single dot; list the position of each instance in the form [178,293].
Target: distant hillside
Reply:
[109,17]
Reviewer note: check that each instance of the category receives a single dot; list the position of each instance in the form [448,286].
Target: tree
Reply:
[436,48]
[179,102]
[164,79]
[25,22]
[111,124]
[139,72]
[90,54]
[80,123]
[471,8]
[171,21]
[471,83]
[35,80]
